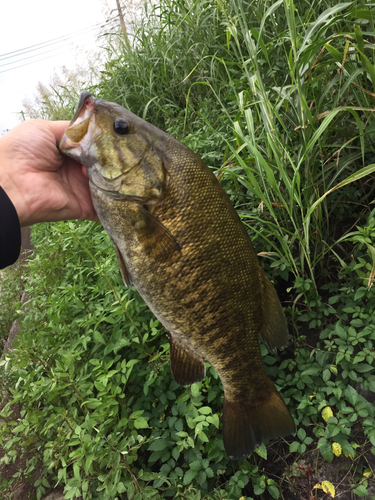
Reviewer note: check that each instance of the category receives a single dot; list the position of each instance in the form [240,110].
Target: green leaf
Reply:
[361,292]
[214,419]
[363,368]
[324,19]
[371,436]
[325,449]
[361,491]
[189,476]
[359,174]
[261,451]
[293,447]
[201,477]
[98,337]
[88,462]
[357,322]
[311,370]
[92,403]
[203,437]
[136,414]
[364,14]
[339,330]
[351,394]
[209,472]
[141,423]
[158,445]
[205,410]
[196,465]
[273,489]
[184,397]
[121,487]
[195,389]
[301,434]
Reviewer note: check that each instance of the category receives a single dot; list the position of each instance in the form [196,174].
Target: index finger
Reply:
[58,128]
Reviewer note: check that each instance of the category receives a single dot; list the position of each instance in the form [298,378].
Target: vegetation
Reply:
[10,295]
[278,98]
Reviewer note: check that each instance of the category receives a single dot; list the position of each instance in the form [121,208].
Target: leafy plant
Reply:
[10,295]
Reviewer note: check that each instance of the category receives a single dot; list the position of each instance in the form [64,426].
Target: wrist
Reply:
[13,193]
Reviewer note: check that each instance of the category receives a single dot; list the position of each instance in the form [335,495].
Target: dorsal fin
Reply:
[274,330]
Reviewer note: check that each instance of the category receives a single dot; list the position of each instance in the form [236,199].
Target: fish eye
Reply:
[121,126]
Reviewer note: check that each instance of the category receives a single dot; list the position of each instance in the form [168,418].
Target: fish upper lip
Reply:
[85,94]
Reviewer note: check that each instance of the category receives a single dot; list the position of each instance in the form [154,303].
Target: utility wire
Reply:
[71,43]
[35,60]
[32,62]
[53,41]
[36,55]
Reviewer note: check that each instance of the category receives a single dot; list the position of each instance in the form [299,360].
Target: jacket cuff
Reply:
[10,231]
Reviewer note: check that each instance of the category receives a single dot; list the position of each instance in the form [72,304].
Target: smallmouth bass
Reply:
[181,243]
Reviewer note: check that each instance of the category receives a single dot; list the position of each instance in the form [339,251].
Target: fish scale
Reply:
[181,243]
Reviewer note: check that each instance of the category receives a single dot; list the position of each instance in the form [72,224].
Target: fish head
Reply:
[120,150]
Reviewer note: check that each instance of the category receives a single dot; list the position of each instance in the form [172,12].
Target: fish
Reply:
[179,240]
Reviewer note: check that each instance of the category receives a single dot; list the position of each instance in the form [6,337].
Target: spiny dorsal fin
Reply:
[274,330]
[187,366]
[155,238]
[123,269]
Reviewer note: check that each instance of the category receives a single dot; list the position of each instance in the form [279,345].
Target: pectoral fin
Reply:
[187,366]
[274,329]
[156,239]
[123,269]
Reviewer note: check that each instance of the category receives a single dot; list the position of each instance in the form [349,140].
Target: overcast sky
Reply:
[25,23]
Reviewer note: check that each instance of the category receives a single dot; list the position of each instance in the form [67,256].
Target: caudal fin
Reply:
[247,423]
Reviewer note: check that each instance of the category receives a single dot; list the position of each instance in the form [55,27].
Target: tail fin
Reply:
[247,423]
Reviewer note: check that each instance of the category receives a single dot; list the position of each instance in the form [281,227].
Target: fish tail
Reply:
[246,424]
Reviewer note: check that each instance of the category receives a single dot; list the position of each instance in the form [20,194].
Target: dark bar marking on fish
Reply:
[187,366]
[119,152]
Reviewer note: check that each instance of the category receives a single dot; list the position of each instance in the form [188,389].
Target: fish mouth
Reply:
[82,130]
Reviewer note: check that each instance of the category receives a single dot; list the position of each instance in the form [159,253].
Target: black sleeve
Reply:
[10,231]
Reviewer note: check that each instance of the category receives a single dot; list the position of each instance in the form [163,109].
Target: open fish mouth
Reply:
[79,138]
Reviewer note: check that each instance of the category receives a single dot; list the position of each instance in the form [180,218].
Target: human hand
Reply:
[42,184]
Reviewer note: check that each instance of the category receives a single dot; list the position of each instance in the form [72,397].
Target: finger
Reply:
[58,128]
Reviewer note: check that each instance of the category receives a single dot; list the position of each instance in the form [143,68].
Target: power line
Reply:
[71,43]
[54,54]
[34,55]
[53,41]
[32,62]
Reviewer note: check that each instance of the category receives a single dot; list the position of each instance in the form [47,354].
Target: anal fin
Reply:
[187,365]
